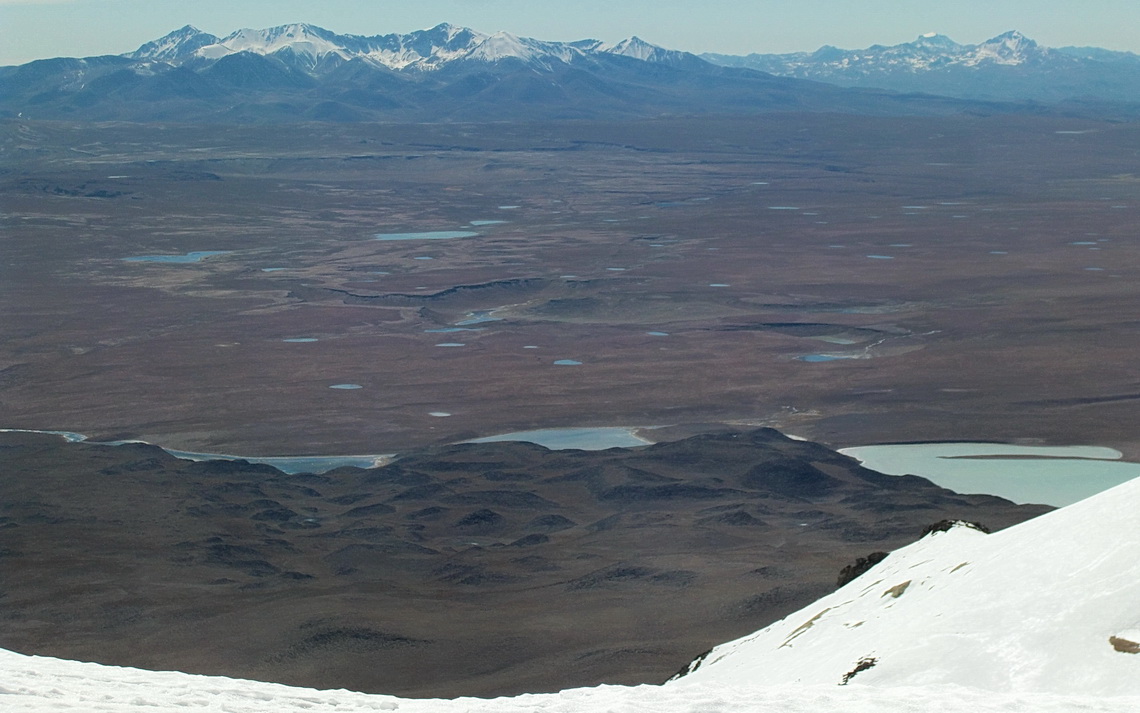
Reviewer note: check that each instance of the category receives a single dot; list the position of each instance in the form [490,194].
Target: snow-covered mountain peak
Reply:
[178,43]
[1007,48]
[935,41]
[504,45]
[448,31]
[300,38]
[635,47]
[1048,606]
[311,49]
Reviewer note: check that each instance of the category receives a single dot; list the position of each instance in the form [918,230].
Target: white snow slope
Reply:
[1041,607]
[1038,618]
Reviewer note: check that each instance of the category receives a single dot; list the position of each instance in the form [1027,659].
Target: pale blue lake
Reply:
[429,235]
[197,256]
[292,464]
[287,464]
[1053,475]
[585,439]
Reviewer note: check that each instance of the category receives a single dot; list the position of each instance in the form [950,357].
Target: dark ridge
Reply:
[861,566]
[494,580]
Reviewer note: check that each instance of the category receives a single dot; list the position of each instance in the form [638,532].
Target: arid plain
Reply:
[240,290]
[848,279]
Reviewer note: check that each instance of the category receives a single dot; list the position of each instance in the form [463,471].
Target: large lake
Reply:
[1053,475]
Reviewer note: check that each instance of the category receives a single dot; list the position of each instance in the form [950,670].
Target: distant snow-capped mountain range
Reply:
[1009,66]
[312,47]
[449,73]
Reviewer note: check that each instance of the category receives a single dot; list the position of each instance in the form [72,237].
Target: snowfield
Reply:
[1042,617]
[1033,608]
[30,684]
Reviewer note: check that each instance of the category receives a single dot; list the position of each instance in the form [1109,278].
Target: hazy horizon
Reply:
[40,29]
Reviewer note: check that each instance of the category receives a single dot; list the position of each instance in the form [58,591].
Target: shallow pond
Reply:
[197,256]
[429,235]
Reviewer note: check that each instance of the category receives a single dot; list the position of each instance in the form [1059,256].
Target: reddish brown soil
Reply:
[992,320]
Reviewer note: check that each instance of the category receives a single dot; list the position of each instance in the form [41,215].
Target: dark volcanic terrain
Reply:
[966,277]
[471,569]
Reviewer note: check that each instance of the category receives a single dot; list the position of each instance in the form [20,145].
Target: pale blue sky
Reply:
[33,29]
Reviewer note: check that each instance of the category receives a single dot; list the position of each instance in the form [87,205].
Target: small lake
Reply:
[292,464]
[1053,475]
[567,362]
[479,317]
[197,256]
[287,464]
[346,387]
[430,235]
[585,439]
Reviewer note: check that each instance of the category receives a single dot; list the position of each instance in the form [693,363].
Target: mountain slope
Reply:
[1051,605]
[446,73]
[1037,618]
[471,569]
[1008,67]
[34,684]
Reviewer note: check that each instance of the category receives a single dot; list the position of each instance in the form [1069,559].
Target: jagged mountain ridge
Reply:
[446,73]
[424,50]
[1009,66]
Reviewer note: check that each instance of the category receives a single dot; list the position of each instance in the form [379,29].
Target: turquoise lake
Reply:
[1053,475]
